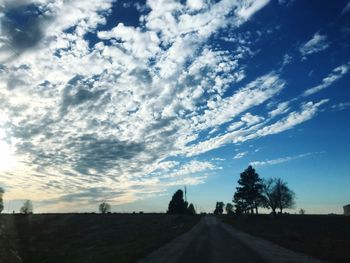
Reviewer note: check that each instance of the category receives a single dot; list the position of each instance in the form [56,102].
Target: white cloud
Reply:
[287,59]
[250,119]
[280,109]
[308,111]
[196,4]
[316,44]
[240,155]
[340,106]
[224,110]
[218,159]
[280,160]
[235,125]
[336,74]
[251,7]
[190,168]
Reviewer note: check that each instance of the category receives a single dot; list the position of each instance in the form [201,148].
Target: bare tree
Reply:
[104,208]
[285,196]
[269,192]
[27,207]
[278,195]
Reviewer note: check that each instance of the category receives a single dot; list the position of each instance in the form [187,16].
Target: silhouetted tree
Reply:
[278,195]
[285,196]
[229,208]
[248,195]
[269,191]
[219,208]
[1,201]
[177,205]
[104,208]
[27,207]
[191,210]
[302,211]
[241,206]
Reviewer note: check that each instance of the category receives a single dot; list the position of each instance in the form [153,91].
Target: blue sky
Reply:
[129,101]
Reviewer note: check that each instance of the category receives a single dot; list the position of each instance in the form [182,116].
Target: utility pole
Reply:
[185,193]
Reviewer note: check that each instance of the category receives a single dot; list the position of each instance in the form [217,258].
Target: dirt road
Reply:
[213,241]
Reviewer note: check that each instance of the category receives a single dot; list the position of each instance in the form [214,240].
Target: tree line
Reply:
[253,193]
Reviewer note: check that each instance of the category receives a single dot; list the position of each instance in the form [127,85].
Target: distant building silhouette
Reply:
[347,210]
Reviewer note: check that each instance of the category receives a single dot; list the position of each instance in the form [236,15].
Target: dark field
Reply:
[325,237]
[86,237]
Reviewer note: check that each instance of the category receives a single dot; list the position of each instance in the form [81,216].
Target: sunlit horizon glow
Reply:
[127,101]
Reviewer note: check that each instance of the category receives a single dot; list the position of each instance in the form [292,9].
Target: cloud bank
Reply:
[92,112]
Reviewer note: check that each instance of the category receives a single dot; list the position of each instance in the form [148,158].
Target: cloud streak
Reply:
[316,44]
[280,160]
[335,75]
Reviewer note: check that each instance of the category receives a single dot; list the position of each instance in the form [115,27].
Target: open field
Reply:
[86,237]
[325,237]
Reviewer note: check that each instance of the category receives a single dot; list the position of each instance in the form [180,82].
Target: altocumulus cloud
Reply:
[102,119]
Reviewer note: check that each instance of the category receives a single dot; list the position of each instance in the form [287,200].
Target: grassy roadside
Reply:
[325,237]
[87,237]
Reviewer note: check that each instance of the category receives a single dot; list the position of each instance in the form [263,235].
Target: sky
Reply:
[128,101]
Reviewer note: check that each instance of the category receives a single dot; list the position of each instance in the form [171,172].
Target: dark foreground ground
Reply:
[207,242]
[86,237]
[325,237]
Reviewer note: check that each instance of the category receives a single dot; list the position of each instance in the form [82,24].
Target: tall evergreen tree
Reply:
[177,205]
[248,196]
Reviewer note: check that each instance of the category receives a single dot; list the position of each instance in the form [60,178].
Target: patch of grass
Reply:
[89,237]
[322,236]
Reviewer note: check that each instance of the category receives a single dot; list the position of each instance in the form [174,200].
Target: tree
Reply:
[278,195]
[177,205]
[219,208]
[248,195]
[269,192]
[229,208]
[27,207]
[302,211]
[104,208]
[285,196]
[191,210]
[1,202]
